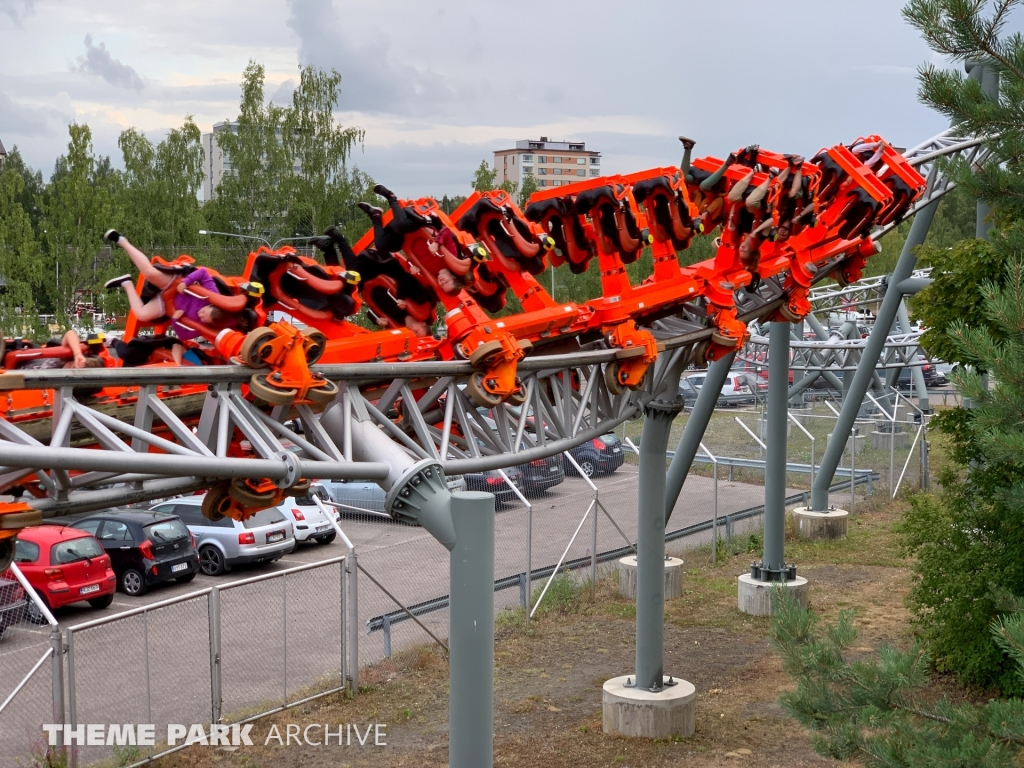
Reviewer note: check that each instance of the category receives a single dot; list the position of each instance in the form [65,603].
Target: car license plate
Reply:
[616,450]
[275,536]
[179,567]
[553,469]
[322,528]
[89,589]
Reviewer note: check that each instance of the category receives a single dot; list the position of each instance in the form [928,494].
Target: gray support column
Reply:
[650,547]
[823,335]
[990,86]
[916,372]
[694,430]
[471,639]
[866,369]
[775,458]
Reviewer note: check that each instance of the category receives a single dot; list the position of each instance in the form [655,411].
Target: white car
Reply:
[736,390]
[309,522]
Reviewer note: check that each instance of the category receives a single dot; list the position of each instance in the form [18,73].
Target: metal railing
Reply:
[224,654]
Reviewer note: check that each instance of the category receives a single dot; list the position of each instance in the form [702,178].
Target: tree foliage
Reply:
[483,177]
[878,711]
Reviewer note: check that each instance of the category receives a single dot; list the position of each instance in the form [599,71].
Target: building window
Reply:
[557,171]
[542,171]
[542,158]
[581,172]
[581,161]
[556,159]
[595,161]
[527,158]
[594,172]
[543,183]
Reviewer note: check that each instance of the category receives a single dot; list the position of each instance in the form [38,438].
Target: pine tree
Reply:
[876,711]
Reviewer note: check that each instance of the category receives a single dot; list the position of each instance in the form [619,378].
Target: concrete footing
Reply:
[673,577]
[880,440]
[629,711]
[819,526]
[861,442]
[755,597]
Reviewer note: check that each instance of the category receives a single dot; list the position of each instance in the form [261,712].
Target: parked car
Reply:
[931,377]
[308,521]
[600,456]
[492,482]
[365,498]
[145,548]
[736,390]
[541,474]
[14,603]
[225,543]
[64,565]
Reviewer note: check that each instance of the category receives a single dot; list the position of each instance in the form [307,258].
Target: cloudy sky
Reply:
[439,85]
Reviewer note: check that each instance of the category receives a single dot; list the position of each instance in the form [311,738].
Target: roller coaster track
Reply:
[174,430]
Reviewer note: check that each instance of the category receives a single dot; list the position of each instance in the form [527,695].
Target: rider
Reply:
[186,305]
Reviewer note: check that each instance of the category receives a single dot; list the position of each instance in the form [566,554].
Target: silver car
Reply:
[263,538]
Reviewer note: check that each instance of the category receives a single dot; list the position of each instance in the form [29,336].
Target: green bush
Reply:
[563,596]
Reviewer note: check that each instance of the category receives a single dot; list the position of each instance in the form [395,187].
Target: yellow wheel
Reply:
[240,491]
[476,390]
[261,388]
[789,314]
[323,394]
[217,503]
[256,348]
[484,351]
[725,341]
[313,345]
[612,372]
[700,353]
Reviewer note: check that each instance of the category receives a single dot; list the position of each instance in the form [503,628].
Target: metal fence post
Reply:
[216,695]
[529,562]
[386,629]
[341,619]
[853,468]
[352,571]
[284,635]
[924,453]
[72,702]
[593,551]
[57,673]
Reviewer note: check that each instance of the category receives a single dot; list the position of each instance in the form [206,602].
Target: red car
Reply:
[65,565]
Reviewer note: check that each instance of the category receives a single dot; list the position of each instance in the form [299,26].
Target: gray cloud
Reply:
[98,61]
[21,120]
[17,10]
[373,77]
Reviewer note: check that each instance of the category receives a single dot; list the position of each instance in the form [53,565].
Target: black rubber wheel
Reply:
[133,583]
[327,539]
[261,387]
[255,349]
[6,552]
[313,345]
[186,578]
[100,603]
[588,467]
[211,561]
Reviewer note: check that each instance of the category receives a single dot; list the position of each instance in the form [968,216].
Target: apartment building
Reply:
[551,163]
[214,166]
[214,163]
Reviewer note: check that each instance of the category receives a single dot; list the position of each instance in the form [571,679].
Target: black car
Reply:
[145,548]
[931,377]
[600,456]
[540,474]
[492,482]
